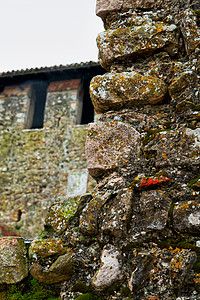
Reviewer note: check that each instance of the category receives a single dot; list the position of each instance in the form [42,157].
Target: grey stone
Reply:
[13,260]
[61,212]
[123,43]
[190,30]
[117,214]
[103,7]
[109,145]
[88,222]
[175,148]
[154,207]
[186,216]
[110,271]
[142,270]
[114,91]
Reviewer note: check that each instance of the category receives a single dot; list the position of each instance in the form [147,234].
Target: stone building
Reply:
[43,119]
[136,235]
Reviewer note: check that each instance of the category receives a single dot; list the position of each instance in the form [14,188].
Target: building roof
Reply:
[84,70]
[48,69]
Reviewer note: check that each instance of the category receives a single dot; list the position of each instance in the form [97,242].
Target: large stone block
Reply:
[114,91]
[109,146]
[117,214]
[44,248]
[160,270]
[136,41]
[13,260]
[186,216]
[62,269]
[61,212]
[89,217]
[177,148]
[154,207]
[103,7]
[182,88]
[111,268]
[190,30]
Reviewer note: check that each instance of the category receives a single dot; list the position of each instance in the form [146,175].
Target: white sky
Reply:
[36,33]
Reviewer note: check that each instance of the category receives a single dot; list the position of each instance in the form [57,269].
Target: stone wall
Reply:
[36,165]
[14,102]
[64,103]
[136,236]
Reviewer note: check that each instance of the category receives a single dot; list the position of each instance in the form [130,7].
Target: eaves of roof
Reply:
[49,69]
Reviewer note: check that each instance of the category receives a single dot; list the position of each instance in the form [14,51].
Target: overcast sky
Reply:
[36,33]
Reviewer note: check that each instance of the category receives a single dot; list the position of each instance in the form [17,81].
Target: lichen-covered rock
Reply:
[181,265]
[190,30]
[186,216]
[127,89]
[116,214]
[122,43]
[61,212]
[168,272]
[144,264]
[150,216]
[103,7]
[154,207]
[13,260]
[44,248]
[110,271]
[175,148]
[89,217]
[62,269]
[151,182]
[109,145]
[182,89]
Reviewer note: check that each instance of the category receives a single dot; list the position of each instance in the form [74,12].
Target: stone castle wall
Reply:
[37,164]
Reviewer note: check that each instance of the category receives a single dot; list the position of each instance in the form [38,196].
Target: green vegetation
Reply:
[29,289]
[193,181]
[151,134]
[88,296]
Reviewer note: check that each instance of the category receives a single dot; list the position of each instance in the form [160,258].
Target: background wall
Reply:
[41,165]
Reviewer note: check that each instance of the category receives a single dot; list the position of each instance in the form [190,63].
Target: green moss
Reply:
[88,296]
[132,245]
[125,292]
[181,244]
[170,212]
[196,267]
[197,12]
[197,107]
[29,289]
[193,181]
[150,135]
[81,287]
[162,173]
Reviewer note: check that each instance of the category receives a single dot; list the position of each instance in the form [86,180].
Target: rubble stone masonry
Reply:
[137,235]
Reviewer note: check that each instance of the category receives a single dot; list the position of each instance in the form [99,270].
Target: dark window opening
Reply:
[19,215]
[35,115]
[87,109]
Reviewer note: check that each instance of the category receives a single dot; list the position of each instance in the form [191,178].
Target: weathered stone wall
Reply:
[36,165]
[14,103]
[64,103]
[136,236]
